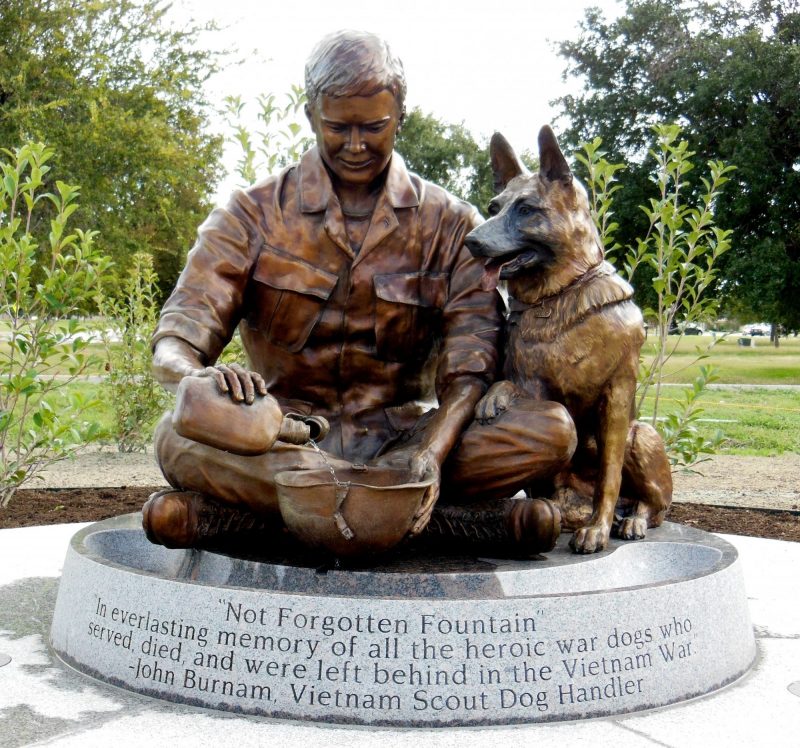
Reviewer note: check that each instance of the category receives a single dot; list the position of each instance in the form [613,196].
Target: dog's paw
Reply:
[632,528]
[495,401]
[590,539]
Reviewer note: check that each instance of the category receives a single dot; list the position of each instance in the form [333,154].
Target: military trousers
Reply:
[525,445]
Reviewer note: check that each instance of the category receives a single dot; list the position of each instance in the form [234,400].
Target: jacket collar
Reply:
[316,190]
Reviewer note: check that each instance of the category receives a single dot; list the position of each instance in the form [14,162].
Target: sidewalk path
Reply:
[103,469]
[43,702]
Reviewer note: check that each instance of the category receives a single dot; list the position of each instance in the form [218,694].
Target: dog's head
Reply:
[540,231]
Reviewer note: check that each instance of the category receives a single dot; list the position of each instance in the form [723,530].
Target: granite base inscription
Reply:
[521,647]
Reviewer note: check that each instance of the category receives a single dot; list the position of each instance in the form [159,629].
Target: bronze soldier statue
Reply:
[357,303]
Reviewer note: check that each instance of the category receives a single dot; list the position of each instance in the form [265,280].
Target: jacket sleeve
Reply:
[472,318]
[206,304]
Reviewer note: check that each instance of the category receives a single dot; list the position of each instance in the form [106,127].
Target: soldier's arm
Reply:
[201,314]
[456,407]
[455,411]
[468,359]
[174,359]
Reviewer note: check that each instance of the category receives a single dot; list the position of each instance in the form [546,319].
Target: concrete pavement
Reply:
[42,702]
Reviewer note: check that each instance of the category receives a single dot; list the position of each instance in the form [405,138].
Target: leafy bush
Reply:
[43,335]
[681,249]
[281,140]
[136,397]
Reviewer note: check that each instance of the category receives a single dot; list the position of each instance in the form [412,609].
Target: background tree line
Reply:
[119,96]
[729,74]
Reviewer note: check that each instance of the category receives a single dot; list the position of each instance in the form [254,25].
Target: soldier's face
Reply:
[356,134]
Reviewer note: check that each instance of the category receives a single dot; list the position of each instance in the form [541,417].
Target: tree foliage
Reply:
[447,155]
[281,139]
[729,74]
[450,156]
[118,94]
[42,419]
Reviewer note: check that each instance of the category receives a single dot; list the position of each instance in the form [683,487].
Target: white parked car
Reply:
[757,328]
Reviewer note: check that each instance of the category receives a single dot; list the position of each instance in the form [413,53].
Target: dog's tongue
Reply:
[491,275]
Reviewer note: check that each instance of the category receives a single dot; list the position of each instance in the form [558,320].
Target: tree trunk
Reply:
[773,334]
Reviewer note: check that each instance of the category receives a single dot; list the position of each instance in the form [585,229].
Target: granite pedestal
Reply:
[415,642]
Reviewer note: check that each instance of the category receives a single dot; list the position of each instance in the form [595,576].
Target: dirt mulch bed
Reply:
[55,506]
[758,523]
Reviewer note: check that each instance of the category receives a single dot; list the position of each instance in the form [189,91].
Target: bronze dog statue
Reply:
[573,335]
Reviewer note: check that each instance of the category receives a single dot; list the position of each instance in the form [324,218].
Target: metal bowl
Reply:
[364,511]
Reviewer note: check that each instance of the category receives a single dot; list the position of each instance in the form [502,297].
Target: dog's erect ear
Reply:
[505,163]
[552,164]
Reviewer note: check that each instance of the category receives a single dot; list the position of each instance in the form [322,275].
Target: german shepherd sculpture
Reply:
[573,335]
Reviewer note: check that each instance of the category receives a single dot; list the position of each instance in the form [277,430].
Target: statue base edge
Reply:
[479,642]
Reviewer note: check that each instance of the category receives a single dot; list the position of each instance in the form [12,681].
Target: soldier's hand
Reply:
[232,379]
[424,466]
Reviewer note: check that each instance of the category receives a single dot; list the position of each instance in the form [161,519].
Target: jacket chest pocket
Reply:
[407,311]
[287,298]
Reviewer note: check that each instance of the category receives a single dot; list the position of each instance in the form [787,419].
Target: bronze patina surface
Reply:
[359,306]
[573,335]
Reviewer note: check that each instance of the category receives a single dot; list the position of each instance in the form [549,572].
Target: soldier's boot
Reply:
[187,519]
[511,528]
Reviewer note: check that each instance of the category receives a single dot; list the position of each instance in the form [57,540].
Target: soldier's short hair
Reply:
[353,63]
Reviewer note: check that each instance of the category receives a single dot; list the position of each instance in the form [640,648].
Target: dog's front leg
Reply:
[612,433]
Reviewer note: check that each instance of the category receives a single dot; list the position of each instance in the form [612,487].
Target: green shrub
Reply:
[46,284]
[681,249]
[280,141]
[136,398]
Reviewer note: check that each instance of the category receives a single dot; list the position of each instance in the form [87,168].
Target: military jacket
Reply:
[363,338]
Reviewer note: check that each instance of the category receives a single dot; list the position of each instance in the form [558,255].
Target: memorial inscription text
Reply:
[423,663]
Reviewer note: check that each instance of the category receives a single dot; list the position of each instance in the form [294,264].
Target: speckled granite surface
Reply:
[406,644]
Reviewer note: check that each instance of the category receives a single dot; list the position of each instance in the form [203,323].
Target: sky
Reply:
[490,64]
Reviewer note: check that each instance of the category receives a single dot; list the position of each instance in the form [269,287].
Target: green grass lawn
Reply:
[759,422]
[753,421]
[734,364]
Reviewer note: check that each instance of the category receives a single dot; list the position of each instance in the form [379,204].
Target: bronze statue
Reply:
[573,335]
[359,307]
